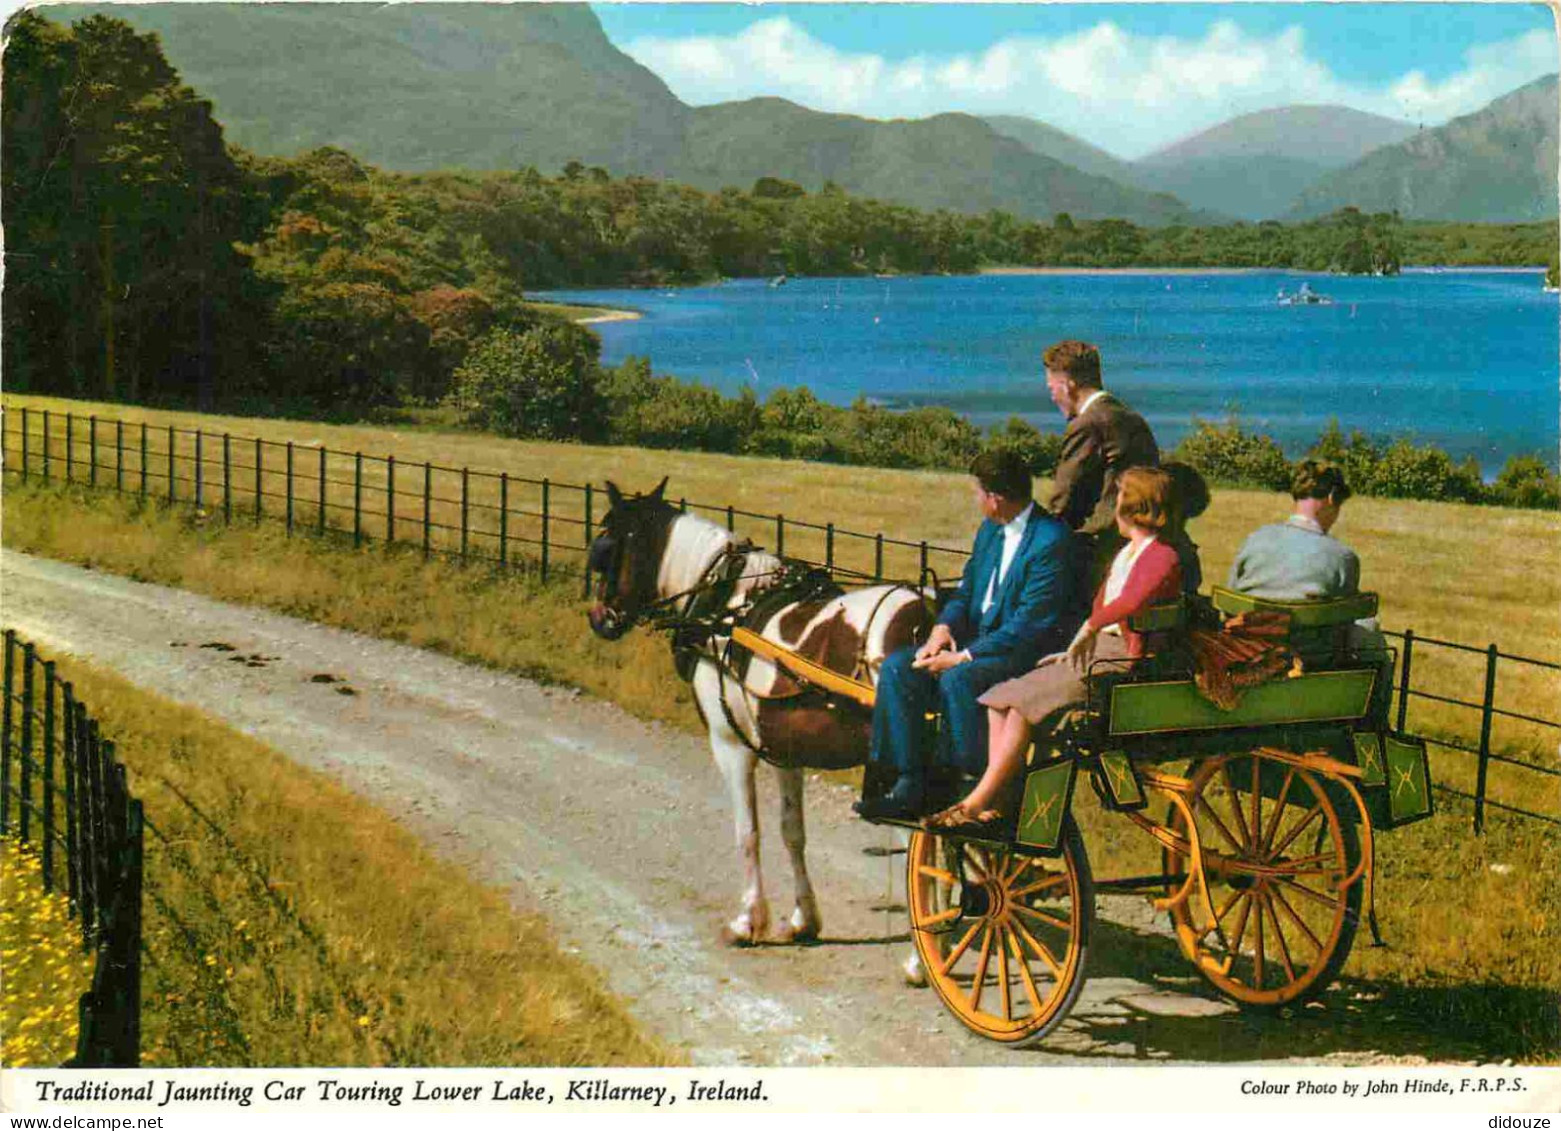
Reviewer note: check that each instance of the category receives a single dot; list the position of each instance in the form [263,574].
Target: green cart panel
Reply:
[1409,780]
[1117,782]
[1303,614]
[1160,618]
[1160,708]
[1047,794]
[1368,756]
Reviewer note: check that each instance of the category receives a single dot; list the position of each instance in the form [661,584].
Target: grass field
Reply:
[1473,923]
[288,922]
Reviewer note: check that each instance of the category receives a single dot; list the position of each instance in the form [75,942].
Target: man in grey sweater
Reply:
[1298,560]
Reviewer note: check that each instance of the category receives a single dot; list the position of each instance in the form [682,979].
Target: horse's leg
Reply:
[805,922]
[736,762]
[915,973]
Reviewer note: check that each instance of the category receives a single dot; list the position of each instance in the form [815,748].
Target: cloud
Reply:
[1128,93]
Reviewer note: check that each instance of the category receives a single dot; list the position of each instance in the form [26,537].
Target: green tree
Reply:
[121,210]
[1226,453]
[1526,481]
[544,382]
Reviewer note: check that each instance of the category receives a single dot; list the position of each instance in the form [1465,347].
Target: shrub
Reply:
[1526,481]
[1227,454]
[1041,450]
[1411,471]
[543,382]
[922,437]
[663,412]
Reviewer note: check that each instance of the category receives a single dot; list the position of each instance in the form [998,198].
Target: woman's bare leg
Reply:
[1009,738]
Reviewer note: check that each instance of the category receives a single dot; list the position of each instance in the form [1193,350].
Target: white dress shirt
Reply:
[1013,531]
[1089,400]
[1121,569]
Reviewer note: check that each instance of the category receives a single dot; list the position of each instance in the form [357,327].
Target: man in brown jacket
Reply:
[1103,439]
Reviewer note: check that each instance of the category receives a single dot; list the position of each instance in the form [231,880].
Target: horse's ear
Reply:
[614,496]
[660,487]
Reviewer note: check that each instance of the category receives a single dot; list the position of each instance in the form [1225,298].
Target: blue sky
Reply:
[1127,77]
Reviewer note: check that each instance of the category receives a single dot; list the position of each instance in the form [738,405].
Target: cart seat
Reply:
[1320,630]
[1327,612]
[1169,617]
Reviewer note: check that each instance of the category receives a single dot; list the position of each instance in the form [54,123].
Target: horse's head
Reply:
[627,557]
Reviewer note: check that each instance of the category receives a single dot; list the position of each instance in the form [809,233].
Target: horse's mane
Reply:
[693,543]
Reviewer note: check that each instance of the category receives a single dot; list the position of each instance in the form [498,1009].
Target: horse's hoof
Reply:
[915,974]
[735,938]
[800,936]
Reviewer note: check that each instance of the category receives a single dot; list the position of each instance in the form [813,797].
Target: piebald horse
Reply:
[656,563]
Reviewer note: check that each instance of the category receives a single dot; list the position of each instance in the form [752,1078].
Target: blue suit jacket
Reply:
[1034,606]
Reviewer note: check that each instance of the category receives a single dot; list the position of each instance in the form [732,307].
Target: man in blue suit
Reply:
[1012,607]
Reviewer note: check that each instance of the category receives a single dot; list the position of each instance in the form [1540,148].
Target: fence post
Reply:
[829,547]
[119,457]
[546,494]
[780,535]
[320,521]
[590,525]
[200,468]
[143,459]
[172,440]
[86,830]
[29,719]
[95,816]
[48,774]
[47,426]
[92,451]
[357,499]
[259,478]
[25,452]
[70,447]
[390,500]
[731,520]
[5,739]
[683,506]
[289,488]
[68,757]
[227,479]
[1486,715]
[465,501]
[428,502]
[1403,678]
[922,582]
[503,518]
[878,557]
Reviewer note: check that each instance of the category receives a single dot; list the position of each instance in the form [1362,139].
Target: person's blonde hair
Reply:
[1144,497]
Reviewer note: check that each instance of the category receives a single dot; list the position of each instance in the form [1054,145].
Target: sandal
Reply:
[960,821]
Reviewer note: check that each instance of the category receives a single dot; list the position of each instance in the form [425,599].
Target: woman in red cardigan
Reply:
[1145,572]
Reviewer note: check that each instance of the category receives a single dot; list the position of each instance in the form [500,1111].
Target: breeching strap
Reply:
[804,668]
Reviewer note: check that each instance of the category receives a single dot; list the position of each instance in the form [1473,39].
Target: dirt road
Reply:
[620,833]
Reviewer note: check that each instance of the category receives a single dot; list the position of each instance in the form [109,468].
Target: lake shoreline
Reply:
[1137,271]
[607,315]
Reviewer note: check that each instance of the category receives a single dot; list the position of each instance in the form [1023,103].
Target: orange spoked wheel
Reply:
[1003,936]
[1284,891]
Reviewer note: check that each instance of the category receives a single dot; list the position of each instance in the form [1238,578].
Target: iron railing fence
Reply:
[547,525]
[62,790]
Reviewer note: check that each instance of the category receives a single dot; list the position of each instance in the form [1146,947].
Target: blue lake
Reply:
[1464,359]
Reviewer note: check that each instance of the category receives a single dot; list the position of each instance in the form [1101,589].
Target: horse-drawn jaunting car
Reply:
[1264,810]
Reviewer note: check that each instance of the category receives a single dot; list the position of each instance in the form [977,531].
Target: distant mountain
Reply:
[1495,165]
[419,86]
[952,161]
[1329,136]
[1059,145]
[502,86]
[1255,166]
